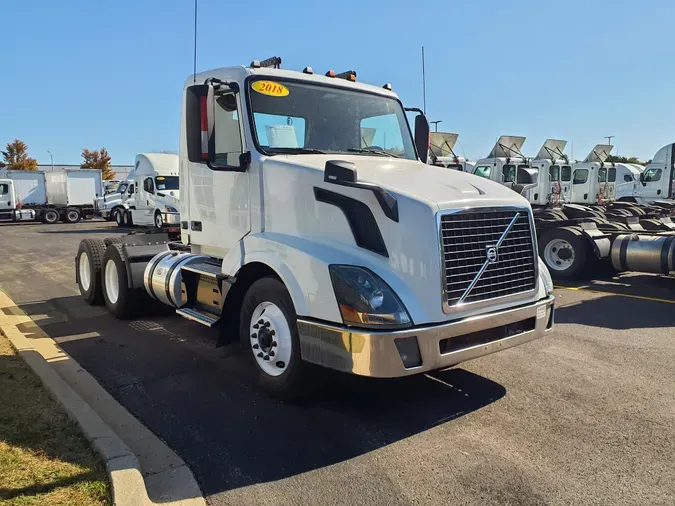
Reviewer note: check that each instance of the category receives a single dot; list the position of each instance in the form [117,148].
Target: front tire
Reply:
[269,335]
[159,222]
[121,300]
[88,264]
[564,252]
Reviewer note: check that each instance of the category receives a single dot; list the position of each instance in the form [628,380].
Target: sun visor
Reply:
[442,143]
[599,153]
[507,146]
[552,150]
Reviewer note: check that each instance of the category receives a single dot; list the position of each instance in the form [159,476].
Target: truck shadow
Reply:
[614,311]
[201,400]
[113,230]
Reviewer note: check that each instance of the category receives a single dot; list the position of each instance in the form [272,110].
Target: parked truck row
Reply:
[48,196]
[311,242]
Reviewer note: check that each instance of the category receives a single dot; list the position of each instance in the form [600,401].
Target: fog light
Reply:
[409,350]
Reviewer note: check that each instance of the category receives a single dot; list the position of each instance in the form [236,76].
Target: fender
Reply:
[599,241]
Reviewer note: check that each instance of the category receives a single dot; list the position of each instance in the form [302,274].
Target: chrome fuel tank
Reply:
[644,253]
[163,276]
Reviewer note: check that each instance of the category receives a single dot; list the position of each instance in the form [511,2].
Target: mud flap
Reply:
[600,241]
[138,250]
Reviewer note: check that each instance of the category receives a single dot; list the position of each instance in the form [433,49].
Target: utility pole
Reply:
[50,156]
[435,123]
[609,139]
[424,84]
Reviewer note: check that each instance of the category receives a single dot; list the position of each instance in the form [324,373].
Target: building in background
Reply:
[121,171]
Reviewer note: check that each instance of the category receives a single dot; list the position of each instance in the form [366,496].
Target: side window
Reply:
[628,178]
[148,185]
[4,189]
[554,173]
[382,132]
[228,135]
[611,174]
[580,176]
[602,175]
[652,175]
[508,173]
[131,188]
[566,174]
[483,171]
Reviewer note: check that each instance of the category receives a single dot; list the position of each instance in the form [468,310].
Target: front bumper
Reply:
[376,354]
[170,219]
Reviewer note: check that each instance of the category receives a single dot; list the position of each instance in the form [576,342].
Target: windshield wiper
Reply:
[295,151]
[374,151]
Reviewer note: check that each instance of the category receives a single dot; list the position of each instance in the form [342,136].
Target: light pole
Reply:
[435,123]
[50,156]
[609,139]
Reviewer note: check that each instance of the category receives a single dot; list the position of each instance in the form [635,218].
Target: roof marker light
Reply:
[330,73]
[387,86]
[307,70]
[349,75]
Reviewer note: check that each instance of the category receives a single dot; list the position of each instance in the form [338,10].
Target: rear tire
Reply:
[564,252]
[51,216]
[72,215]
[88,270]
[121,300]
[128,218]
[282,373]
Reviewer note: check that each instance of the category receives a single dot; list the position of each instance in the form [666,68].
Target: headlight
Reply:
[546,276]
[170,209]
[365,300]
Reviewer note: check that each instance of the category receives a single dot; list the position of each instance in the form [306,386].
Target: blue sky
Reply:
[84,74]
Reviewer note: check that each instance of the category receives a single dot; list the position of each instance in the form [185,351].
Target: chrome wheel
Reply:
[158,220]
[112,282]
[271,341]
[85,271]
[559,255]
[73,216]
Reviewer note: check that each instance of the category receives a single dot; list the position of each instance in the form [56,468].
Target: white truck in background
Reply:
[49,196]
[441,152]
[154,198]
[108,206]
[318,249]
[657,180]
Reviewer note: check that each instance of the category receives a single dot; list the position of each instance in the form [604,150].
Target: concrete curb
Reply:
[123,467]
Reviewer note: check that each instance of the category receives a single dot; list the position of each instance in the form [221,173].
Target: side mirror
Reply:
[528,176]
[422,137]
[200,123]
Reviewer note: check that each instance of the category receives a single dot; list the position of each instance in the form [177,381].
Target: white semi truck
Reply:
[49,196]
[309,247]
[441,152]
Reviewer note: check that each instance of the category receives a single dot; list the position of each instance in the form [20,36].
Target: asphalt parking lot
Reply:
[585,415]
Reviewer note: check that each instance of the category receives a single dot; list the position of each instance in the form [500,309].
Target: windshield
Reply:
[293,117]
[166,183]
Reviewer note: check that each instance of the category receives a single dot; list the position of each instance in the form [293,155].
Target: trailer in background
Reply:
[49,196]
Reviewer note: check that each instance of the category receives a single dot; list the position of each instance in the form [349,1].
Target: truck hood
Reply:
[169,197]
[443,187]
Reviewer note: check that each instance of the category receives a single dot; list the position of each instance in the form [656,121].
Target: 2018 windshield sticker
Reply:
[270,88]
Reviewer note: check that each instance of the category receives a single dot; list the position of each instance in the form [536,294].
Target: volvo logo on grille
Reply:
[492,256]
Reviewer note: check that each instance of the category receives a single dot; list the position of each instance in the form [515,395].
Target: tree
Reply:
[16,157]
[98,159]
[623,159]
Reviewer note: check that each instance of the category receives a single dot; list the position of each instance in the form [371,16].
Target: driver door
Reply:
[581,186]
[6,194]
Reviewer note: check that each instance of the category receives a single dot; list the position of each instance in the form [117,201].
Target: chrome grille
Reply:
[465,240]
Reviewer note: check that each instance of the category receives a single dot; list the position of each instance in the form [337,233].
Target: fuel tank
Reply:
[163,276]
[644,253]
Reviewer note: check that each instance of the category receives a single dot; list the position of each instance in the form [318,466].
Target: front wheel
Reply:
[269,334]
[564,252]
[159,222]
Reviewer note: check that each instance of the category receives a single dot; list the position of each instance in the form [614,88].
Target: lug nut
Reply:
[255,346]
[259,355]
[272,332]
[271,353]
[261,321]
[266,357]
[253,336]
[267,324]
[274,343]
[256,326]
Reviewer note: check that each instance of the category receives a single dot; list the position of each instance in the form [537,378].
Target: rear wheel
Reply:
[564,252]
[128,218]
[72,215]
[269,335]
[119,217]
[51,216]
[88,265]
[121,300]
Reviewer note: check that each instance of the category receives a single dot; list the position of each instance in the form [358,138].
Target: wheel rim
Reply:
[72,215]
[85,271]
[559,255]
[112,282]
[271,341]
[158,221]
[118,217]
[51,216]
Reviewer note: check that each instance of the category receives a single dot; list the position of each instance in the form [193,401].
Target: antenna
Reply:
[194,71]
[424,84]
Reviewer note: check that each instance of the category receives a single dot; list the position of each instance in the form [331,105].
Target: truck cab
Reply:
[109,204]
[658,177]
[506,164]
[309,245]
[554,175]
[594,179]
[154,199]
[442,154]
